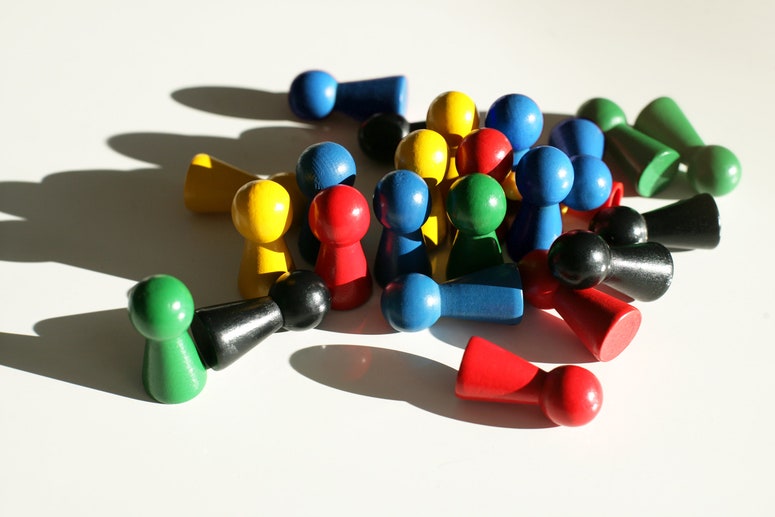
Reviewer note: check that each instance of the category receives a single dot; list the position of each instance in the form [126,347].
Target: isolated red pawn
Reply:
[339,218]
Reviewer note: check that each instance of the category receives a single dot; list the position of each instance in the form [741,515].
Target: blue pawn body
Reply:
[315,94]
[402,205]
[519,118]
[415,302]
[544,177]
[319,167]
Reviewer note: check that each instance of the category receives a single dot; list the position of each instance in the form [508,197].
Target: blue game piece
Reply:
[544,177]
[575,136]
[401,204]
[518,117]
[315,94]
[415,301]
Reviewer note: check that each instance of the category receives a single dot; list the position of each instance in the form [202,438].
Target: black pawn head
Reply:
[579,259]
[619,225]
[379,135]
[303,299]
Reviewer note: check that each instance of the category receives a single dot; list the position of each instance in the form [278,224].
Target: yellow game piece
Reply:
[453,115]
[299,202]
[210,184]
[262,214]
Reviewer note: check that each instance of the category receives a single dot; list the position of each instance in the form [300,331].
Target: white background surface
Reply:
[102,106]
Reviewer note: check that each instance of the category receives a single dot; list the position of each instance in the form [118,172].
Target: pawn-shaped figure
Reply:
[401,204]
[568,395]
[315,94]
[581,259]
[262,213]
[426,153]
[161,309]
[339,218]
[519,118]
[476,205]
[320,166]
[485,150]
[453,115]
[544,178]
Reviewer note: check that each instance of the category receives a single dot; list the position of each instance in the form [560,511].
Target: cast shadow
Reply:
[97,350]
[419,381]
[236,102]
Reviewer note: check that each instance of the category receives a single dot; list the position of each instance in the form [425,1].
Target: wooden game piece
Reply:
[582,259]
[320,166]
[426,153]
[339,218]
[649,163]
[298,200]
[298,300]
[161,309]
[519,118]
[414,301]
[544,177]
[476,206]
[485,150]
[401,204]
[604,324]
[210,184]
[453,115]
[568,395]
[379,135]
[315,94]
[710,168]
[262,213]
[692,223]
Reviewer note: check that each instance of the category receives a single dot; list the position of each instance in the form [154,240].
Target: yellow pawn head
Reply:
[425,152]
[262,211]
[452,114]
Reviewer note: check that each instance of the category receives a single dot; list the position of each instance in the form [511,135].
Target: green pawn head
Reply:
[161,307]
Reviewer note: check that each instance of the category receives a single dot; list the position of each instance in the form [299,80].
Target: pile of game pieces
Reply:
[480,191]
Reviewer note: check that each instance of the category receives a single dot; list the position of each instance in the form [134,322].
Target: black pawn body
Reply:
[298,300]
[581,259]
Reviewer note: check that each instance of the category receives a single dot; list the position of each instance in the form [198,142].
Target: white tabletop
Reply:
[102,108]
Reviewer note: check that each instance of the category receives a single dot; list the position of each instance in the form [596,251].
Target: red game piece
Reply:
[605,324]
[485,150]
[339,217]
[568,395]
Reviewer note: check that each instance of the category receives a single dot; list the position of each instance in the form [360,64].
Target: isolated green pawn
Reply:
[161,309]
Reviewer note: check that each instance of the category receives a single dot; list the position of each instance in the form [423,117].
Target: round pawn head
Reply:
[425,152]
[379,135]
[575,136]
[571,396]
[485,150]
[476,204]
[312,95]
[518,117]
[453,115]
[262,211]
[713,169]
[339,214]
[161,307]
[579,259]
[619,225]
[401,201]
[411,302]
[544,176]
[303,298]
[324,165]
[605,113]
[592,183]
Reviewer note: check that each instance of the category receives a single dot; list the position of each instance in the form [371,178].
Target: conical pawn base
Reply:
[692,223]
[210,184]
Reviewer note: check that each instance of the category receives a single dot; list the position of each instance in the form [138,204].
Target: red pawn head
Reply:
[485,150]
[339,215]
[571,396]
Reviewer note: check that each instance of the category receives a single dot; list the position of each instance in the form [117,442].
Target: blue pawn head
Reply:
[592,183]
[577,136]
[313,95]
[518,117]
[402,201]
[411,302]
[324,165]
[544,176]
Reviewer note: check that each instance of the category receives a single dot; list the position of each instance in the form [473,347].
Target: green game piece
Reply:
[650,163]
[161,309]
[476,205]
[710,168]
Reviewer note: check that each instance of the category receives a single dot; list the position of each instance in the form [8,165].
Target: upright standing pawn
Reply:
[519,118]
[161,309]
[320,166]
[650,164]
[568,395]
[401,204]
[379,135]
[710,168]
[476,206]
[262,213]
[485,150]
[582,259]
[315,94]
[339,218]
[544,177]
[453,115]
[426,153]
